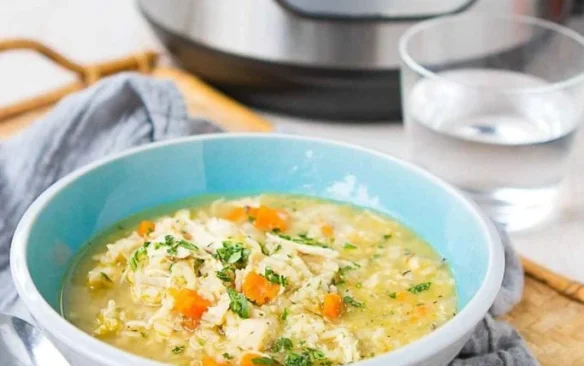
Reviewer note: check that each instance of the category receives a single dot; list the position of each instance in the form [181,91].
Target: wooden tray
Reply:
[551,313]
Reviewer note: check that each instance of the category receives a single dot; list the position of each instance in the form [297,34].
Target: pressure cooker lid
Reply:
[379,9]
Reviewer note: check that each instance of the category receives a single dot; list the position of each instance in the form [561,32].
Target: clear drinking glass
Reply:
[492,105]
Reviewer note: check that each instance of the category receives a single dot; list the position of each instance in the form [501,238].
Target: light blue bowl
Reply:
[93,198]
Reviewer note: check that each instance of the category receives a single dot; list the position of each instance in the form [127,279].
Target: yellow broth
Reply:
[394,287]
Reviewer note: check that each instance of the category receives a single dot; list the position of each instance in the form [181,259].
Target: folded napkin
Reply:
[130,110]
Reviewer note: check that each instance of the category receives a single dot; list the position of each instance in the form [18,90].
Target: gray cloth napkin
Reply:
[130,110]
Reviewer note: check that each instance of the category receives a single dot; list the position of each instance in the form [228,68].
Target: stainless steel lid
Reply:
[342,34]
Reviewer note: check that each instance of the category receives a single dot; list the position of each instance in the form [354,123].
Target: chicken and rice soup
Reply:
[266,280]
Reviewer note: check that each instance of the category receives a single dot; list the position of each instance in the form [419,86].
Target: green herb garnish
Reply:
[303,239]
[309,357]
[105,277]
[424,286]
[274,277]
[187,245]
[282,344]
[264,361]
[393,295]
[227,356]
[171,244]
[137,257]
[238,303]
[178,349]
[387,236]
[349,300]
[317,356]
[296,359]
[349,246]
[285,314]
[227,274]
[233,253]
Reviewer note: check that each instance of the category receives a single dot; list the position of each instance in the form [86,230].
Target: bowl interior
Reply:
[93,199]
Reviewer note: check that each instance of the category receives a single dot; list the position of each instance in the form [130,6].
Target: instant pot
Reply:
[332,59]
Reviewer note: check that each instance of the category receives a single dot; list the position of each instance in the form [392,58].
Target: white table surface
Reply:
[93,30]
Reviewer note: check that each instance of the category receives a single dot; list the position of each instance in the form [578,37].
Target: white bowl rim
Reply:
[422,349]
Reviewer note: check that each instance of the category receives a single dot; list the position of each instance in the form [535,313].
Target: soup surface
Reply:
[266,280]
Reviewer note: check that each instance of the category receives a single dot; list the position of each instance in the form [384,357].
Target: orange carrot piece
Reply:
[209,361]
[327,230]
[422,310]
[269,219]
[237,214]
[332,306]
[145,227]
[247,359]
[258,289]
[190,304]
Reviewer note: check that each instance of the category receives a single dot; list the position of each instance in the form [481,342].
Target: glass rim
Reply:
[519,19]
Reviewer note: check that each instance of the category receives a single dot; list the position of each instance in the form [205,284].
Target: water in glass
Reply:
[502,136]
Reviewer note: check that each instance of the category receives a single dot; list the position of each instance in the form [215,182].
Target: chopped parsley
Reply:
[187,245]
[282,344]
[420,287]
[393,295]
[171,244]
[342,272]
[285,314]
[345,269]
[238,303]
[309,357]
[137,257]
[387,236]
[359,285]
[264,249]
[227,274]
[105,277]
[349,246]
[233,253]
[178,349]
[349,300]
[274,277]
[296,359]
[264,361]
[303,239]
[227,356]
[317,356]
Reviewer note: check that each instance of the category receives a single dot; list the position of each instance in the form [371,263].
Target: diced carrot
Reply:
[327,230]
[247,359]
[145,227]
[190,304]
[421,310]
[332,306]
[269,219]
[209,361]
[237,214]
[258,289]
